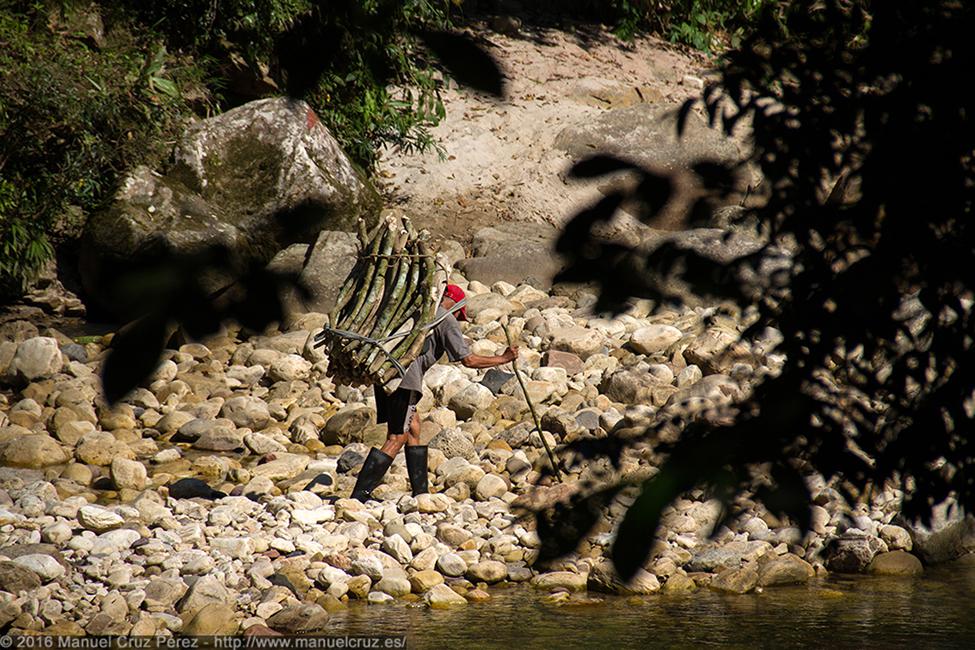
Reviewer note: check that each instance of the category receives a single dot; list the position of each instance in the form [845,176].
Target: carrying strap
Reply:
[322,337]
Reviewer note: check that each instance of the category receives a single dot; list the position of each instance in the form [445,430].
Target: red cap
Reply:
[456,294]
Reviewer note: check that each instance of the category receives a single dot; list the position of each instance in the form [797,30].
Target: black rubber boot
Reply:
[416,467]
[371,474]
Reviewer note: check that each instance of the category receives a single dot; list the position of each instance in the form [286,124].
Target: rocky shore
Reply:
[204,503]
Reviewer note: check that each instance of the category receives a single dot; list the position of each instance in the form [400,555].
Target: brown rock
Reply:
[215,619]
[788,569]
[736,581]
[895,563]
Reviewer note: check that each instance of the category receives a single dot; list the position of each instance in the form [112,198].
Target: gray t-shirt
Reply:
[445,337]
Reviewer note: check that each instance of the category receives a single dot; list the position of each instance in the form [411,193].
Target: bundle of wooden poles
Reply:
[391,293]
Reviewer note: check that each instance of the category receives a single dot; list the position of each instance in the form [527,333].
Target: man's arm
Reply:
[479,361]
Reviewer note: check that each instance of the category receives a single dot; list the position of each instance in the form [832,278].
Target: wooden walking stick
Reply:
[531,407]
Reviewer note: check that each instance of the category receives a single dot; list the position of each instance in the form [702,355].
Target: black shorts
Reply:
[396,409]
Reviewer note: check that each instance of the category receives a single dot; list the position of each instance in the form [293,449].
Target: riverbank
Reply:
[109,521]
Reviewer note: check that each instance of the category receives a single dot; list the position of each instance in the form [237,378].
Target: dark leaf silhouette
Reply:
[468,62]
[134,356]
[176,288]
[863,268]
[653,192]
[561,527]
[715,175]
[600,165]
[579,230]
[683,114]
[636,532]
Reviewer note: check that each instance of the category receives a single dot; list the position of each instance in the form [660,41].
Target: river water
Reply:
[935,611]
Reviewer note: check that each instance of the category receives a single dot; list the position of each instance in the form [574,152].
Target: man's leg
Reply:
[401,423]
[416,457]
[391,410]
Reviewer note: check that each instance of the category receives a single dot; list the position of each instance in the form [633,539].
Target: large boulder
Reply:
[326,266]
[949,535]
[515,238]
[348,425]
[536,270]
[519,253]
[895,563]
[255,179]
[784,570]
[647,135]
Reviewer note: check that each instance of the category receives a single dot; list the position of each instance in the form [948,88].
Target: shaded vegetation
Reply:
[75,113]
[875,306]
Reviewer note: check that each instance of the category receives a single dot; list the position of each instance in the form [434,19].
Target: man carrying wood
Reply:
[398,410]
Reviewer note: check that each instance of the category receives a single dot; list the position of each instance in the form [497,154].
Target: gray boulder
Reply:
[514,238]
[255,179]
[36,450]
[329,261]
[853,554]
[348,425]
[519,253]
[299,619]
[647,134]
[535,270]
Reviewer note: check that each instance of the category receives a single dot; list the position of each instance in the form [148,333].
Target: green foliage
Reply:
[377,90]
[706,25]
[246,26]
[372,86]
[23,249]
[73,117]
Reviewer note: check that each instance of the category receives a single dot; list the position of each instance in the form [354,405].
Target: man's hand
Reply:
[477,361]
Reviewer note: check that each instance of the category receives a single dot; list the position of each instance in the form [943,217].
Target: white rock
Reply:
[36,358]
[45,566]
[442,596]
[127,473]
[166,371]
[290,367]
[756,529]
[368,565]
[312,517]
[246,411]
[432,502]
[57,533]
[99,519]
[240,548]
[451,564]
[655,337]
[378,598]
[114,541]
[689,376]
[897,538]
[397,547]
[490,486]
[470,400]
[579,340]
[167,456]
